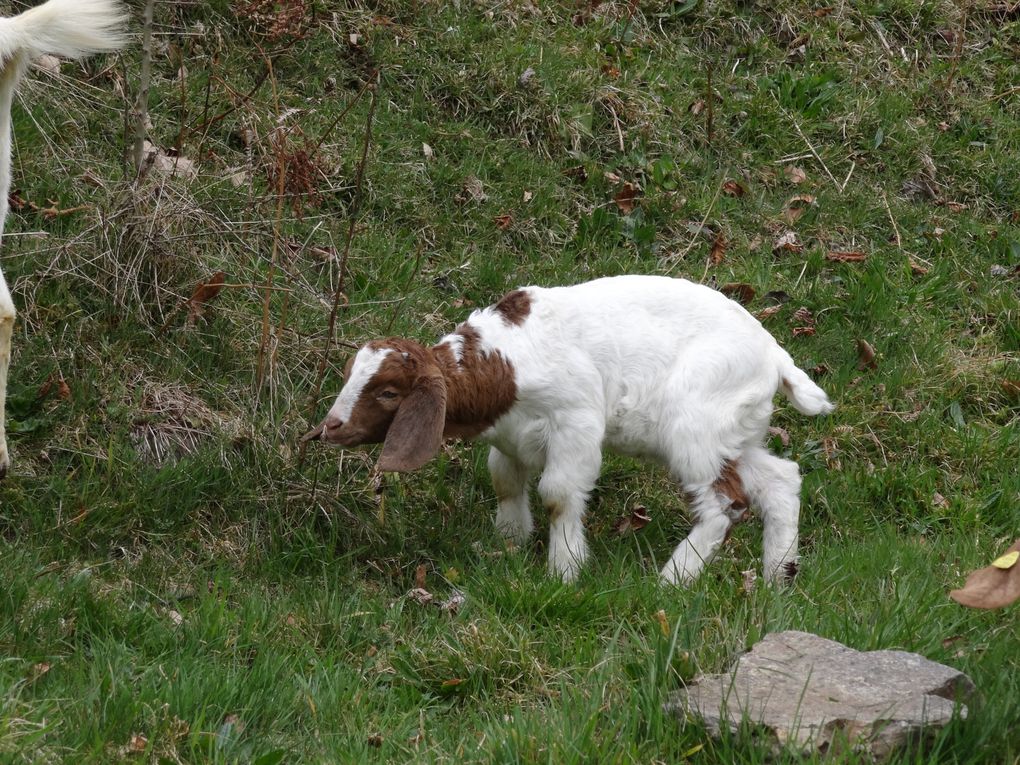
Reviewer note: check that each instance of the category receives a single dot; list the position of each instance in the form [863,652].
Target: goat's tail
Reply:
[806,397]
[69,28]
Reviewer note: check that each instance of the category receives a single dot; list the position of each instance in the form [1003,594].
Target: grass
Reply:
[180,587]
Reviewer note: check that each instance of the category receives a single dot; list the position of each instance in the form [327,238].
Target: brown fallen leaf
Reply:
[733,189]
[819,369]
[750,579]
[1011,388]
[768,312]
[846,256]
[798,331]
[55,383]
[471,191]
[204,294]
[742,293]
[787,242]
[916,269]
[421,596]
[697,107]
[138,743]
[375,740]
[419,577]
[718,251]
[796,206]
[578,173]
[804,316]
[503,222]
[794,175]
[994,586]
[865,356]
[637,520]
[784,437]
[626,198]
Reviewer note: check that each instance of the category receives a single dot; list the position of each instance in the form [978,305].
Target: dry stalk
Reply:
[359,194]
[281,176]
[142,103]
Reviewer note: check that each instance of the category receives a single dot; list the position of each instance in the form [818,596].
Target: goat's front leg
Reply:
[6,330]
[510,482]
[572,466]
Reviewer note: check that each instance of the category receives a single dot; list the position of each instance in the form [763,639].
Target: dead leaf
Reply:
[175,617]
[375,740]
[742,293]
[750,578]
[38,670]
[453,682]
[637,520]
[57,383]
[917,269]
[138,743]
[48,64]
[994,586]
[821,13]
[798,331]
[718,251]
[626,198]
[796,206]
[794,174]
[453,603]
[1011,388]
[784,437]
[204,294]
[697,107]
[733,189]
[939,501]
[846,256]
[427,151]
[471,191]
[787,242]
[421,596]
[503,222]
[804,316]
[865,355]
[527,196]
[419,577]
[579,173]
[768,312]
[819,369]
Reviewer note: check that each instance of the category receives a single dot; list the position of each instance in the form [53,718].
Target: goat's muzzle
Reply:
[316,433]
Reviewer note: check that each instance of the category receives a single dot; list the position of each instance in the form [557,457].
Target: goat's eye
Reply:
[387,394]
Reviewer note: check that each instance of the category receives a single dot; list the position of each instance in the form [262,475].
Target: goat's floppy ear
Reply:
[416,433]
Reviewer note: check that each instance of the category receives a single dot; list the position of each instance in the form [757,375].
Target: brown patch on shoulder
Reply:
[480,388]
[729,484]
[514,307]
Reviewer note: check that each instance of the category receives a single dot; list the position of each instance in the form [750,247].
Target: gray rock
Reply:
[816,695]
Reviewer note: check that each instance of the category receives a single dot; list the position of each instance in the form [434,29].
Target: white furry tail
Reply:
[69,28]
[806,397]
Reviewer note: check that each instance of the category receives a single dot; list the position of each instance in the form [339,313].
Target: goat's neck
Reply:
[480,387]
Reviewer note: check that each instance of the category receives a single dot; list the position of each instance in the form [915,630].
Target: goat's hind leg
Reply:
[773,484]
[712,522]
[510,482]
[6,330]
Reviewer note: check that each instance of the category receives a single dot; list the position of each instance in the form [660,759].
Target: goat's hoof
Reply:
[5,465]
[783,574]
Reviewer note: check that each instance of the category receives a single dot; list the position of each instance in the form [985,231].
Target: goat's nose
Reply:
[321,430]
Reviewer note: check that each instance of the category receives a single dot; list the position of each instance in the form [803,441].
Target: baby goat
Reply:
[67,28]
[647,366]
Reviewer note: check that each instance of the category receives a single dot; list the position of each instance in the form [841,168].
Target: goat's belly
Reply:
[633,436]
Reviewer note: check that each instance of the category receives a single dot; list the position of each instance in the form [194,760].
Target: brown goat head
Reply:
[394,393]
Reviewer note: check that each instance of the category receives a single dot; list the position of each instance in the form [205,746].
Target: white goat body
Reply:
[647,366]
[70,28]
